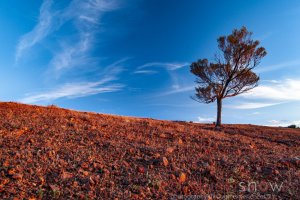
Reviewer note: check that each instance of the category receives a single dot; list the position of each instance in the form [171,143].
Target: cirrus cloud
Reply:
[73,50]
[85,16]
[73,90]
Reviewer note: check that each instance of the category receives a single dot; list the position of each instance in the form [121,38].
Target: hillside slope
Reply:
[48,152]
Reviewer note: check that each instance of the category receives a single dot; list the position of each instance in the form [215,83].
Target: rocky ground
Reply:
[53,153]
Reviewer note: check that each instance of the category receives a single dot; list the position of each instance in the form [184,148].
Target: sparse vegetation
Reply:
[292,126]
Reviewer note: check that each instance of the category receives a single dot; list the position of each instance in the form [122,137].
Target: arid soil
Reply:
[54,153]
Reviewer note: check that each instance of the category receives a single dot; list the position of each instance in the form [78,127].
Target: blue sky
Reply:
[132,57]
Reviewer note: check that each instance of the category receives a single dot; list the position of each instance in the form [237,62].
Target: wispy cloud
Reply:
[87,18]
[271,81]
[43,27]
[145,72]
[251,105]
[177,90]
[278,66]
[167,66]
[206,119]
[81,89]
[283,123]
[271,93]
[256,113]
[285,90]
[73,90]
[170,67]
[72,55]
[74,51]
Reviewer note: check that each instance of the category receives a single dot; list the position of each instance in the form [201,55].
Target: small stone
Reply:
[141,169]
[17,176]
[11,171]
[42,180]
[75,184]
[84,165]
[85,173]
[165,161]
[6,163]
[182,177]
[296,161]
[54,187]
[157,155]
[126,164]
[92,182]
[82,196]
[185,190]
[180,142]
[106,171]
[170,149]
[173,176]
[131,150]
[66,175]
[258,169]
[5,181]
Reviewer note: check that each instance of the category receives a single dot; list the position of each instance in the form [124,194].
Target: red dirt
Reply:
[54,153]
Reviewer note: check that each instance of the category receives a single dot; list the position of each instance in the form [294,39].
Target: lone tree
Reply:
[231,72]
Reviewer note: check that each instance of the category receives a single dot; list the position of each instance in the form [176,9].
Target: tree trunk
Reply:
[219,112]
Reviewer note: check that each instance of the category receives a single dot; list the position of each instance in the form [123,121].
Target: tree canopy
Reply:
[231,72]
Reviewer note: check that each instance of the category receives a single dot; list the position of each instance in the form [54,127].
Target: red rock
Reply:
[165,161]
[157,155]
[170,150]
[92,182]
[182,177]
[66,175]
[185,190]
[85,165]
[6,163]
[11,171]
[126,164]
[75,184]
[54,187]
[172,176]
[85,173]
[180,142]
[17,176]
[141,169]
